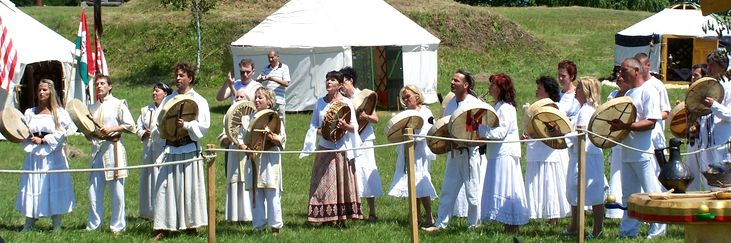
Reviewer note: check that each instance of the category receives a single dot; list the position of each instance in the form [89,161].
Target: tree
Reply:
[197,8]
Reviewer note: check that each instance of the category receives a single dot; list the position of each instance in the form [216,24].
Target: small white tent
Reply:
[42,53]
[673,38]
[317,36]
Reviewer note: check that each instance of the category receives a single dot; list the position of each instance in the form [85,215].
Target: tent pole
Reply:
[373,70]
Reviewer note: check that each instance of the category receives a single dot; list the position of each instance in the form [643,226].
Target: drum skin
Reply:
[618,108]
[406,119]
[171,111]
[329,127]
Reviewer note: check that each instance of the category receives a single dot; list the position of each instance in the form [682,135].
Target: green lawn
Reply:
[142,48]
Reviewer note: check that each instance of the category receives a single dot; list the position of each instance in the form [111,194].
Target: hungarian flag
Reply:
[8,57]
[101,61]
[84,57]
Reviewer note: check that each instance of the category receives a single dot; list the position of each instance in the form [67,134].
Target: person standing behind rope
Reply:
[238,203]
[566,77]
[180,192]
[588,92]
[107,151]
[267,206]
[49,123]
[413,99]
[276,78]
[366,170]
[718,125]
[333,193]
[658,133]
[615,159]
[462,163]
[230,87]
[545,175]
[503,193]
[637,172]
[152,147]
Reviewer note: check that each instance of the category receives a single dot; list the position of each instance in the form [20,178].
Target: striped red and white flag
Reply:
[8,57]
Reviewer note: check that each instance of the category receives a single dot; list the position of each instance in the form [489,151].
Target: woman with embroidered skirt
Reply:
[615,159]
[333,189]
[152,148]
[366,170]
[238,203]
[545,176]
[268,207]
[587,93]
[503,195]
[46,195]
[180,190]
[412,99]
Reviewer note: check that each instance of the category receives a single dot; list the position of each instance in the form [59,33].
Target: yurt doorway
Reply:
[380,69]
[680,53]
[26,92]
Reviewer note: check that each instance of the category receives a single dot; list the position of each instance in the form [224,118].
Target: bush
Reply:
[636,5]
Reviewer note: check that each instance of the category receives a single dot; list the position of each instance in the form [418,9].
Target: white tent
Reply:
[36,44]
[317,36]
[653,34]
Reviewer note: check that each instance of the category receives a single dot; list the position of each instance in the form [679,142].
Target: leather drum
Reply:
[445,101]
[466,119]
[394,130]
[678,121]
[548,121]
[81,116]
[13,125]
[233,120]
[440,129]
[329,127]
[530,110]
[697,93]
[618,108]
[180,106]
[254,139]
[365,101]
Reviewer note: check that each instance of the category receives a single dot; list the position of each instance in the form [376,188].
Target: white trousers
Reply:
[636,177]
[97,183]
[462,170]
[268,210]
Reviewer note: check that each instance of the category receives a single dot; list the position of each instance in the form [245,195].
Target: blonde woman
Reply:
[46,195]
[587,93]
[413,99]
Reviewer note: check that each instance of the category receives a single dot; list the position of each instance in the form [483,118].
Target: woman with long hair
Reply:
[46,195]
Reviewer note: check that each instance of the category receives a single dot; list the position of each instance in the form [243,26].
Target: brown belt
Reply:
[180,142]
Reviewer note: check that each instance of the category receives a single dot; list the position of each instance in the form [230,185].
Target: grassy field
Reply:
[143,40]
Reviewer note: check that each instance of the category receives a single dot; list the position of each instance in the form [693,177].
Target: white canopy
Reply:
[317,36]
[678,22]
[34,42]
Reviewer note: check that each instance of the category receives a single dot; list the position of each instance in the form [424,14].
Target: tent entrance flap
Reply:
[27,91]
[381,70]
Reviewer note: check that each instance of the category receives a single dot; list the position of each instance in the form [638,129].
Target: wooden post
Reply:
[409,163]
[211,193]
[582,183]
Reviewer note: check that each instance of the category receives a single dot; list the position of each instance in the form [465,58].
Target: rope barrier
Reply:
[310,152]
[106,169]
[499,141]
[643,151]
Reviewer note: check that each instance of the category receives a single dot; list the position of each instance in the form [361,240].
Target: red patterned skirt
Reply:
[333,189]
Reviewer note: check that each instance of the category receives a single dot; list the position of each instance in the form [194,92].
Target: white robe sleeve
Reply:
[311,136]
[199,127]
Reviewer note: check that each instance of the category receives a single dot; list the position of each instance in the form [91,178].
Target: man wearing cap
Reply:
[638,172]
[180,198]
[462,163]
[107,151]
[231,86]
[276,78]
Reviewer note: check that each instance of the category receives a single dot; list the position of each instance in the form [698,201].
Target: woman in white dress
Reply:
[238,202]
[503,195]
[615,159]
[152,150]
[267,206]
[587,93]
[545,175]
[412,99]
[46,195]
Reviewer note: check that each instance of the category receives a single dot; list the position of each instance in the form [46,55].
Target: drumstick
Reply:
[180,114]
[114,144]
[98,126]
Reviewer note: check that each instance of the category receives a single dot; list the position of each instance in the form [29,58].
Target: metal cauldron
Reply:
[674,174]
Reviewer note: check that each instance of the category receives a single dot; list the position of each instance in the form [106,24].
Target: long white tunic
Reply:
[721,130]
[595,180]
[503,195]
[151,154]
[180,195]
[422,162]
[615,179]
[111,112]
[43,195]
[366,170]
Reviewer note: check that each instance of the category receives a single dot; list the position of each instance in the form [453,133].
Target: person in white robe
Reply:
[46,195]
[238,203]
[718,128]
[180,192]
[503,195]
[545,175]
[637,172]
[696,141]
[412,99]
[152,148]
[108,151]
[615,158]
[588,92]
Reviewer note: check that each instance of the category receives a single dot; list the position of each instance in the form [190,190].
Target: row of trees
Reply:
[637,5]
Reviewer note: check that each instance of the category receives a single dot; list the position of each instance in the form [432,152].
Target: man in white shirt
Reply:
[658,133]
[276,78]
[637,170]
[231,86]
